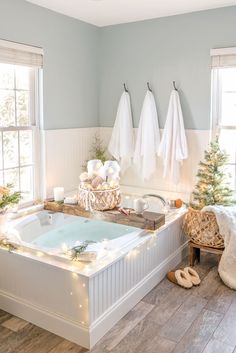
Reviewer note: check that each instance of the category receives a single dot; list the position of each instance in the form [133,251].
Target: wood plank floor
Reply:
[168,320]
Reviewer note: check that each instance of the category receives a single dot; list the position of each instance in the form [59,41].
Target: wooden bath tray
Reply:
[149,220]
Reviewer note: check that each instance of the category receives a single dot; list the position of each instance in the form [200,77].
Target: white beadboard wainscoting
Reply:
[197,142]
[81,302]
[66,151]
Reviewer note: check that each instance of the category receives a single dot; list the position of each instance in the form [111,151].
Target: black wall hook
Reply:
[174,86]
[125,88]
[148,86]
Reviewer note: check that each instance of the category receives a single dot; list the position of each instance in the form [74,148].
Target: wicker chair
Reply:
[202,229]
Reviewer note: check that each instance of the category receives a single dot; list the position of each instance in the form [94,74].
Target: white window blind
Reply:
[223,57]
[20,54]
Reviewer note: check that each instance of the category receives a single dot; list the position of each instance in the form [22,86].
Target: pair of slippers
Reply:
[185,278]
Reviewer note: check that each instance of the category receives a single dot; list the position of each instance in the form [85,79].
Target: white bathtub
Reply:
[55,233]
[82,301]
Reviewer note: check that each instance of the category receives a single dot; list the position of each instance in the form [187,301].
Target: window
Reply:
[19,124]
[224,106]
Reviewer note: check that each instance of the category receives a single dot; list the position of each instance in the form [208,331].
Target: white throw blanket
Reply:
[121,145]
[148,138]
[226,219]
[173,148]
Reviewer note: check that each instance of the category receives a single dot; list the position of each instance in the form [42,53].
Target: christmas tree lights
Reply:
[212,187]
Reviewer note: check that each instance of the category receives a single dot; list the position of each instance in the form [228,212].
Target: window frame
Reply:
[34,126]
[216,109]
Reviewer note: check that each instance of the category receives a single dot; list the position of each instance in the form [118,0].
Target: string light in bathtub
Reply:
[75,253]
[6,244]
[86,268]
[64,247]
[39,253]
[74,275]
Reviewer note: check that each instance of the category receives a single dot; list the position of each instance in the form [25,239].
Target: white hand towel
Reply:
[148,138]
[121,145]
[173,148]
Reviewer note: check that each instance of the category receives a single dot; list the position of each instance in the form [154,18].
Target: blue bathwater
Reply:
[80,229]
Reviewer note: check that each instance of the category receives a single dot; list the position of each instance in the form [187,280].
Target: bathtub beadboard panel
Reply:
[46,295]
[118,288]
[117,280]
[82,308]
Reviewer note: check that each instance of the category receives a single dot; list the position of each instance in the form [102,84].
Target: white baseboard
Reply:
[89,336]
[52,322]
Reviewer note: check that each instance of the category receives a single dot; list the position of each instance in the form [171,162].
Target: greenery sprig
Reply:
[97,151]
[4,243]
[78,249]
[8,198]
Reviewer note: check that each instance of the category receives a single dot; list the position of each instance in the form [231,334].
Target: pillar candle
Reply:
[58,193]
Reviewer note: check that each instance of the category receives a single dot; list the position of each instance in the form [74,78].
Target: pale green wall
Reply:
[160,51]
[70,61]
[85,66]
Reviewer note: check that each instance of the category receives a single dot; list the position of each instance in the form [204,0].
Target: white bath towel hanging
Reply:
[121,145]
[173,147]
[148,138]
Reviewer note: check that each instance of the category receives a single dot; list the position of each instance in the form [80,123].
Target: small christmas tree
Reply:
[212,187]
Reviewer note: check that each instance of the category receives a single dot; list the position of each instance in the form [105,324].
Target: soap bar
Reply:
[70,200]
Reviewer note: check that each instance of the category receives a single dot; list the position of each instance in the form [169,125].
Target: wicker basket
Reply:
[99,200]
[202,228]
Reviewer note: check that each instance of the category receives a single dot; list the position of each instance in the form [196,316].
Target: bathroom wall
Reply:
[70,61]
[160,51]
[85,67]
[197,141]
[66,151]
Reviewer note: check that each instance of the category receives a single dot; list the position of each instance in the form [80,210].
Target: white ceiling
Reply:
[108,12]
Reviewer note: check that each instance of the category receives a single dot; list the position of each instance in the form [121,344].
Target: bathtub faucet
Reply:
[156,196]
